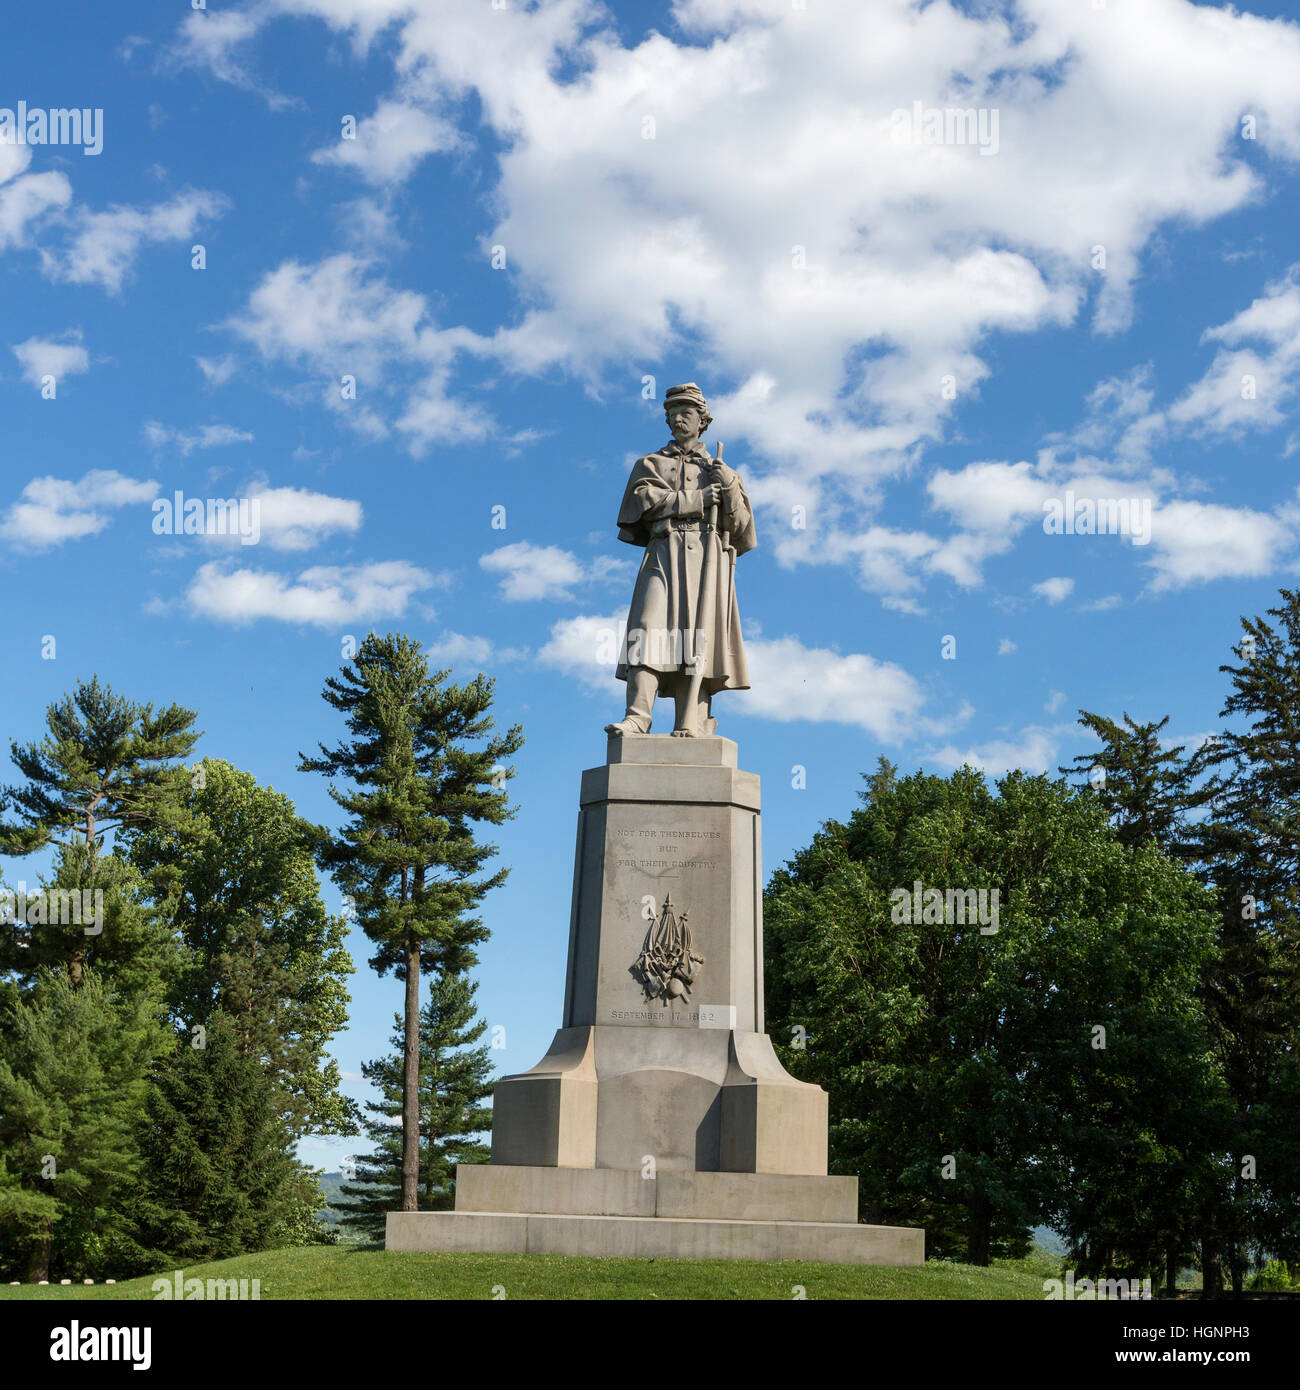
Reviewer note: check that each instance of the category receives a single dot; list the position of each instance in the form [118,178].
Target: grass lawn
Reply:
[365,1272]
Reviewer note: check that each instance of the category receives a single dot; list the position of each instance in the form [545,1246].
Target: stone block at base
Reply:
[493,1187]
[654,1238]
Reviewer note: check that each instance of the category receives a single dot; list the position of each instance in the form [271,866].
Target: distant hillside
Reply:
[331,1184]
[1046,1239]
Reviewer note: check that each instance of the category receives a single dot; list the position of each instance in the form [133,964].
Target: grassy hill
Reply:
[364,1272]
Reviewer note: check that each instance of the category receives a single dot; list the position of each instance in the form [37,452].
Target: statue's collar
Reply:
[673,449]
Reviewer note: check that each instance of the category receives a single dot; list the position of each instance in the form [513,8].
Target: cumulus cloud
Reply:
[323,596]
[531,571]
[287,518]
[1035,751]
[585,648]
[386,147]
[790,680]
[845,279]
[1255,376]
[1196,541]
[793,682]
[993,503]
[296,518]
[1055,590]
[461,649]
[50,510]
[104,245]
[57,357]
[25,198]
[338,317]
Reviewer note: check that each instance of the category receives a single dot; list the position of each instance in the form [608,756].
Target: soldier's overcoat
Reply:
[667,606]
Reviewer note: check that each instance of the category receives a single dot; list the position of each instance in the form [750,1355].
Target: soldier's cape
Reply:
[653,479]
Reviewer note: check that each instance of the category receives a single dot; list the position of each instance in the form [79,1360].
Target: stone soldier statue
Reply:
[692,516]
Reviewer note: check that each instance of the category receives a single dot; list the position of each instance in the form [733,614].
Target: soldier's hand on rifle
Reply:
[712,493]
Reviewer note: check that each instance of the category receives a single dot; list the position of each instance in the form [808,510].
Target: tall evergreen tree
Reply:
[72,1103]
[219,1179]
[424,770]
[1149,791]
[105,765]
[455,1080]
[1252,854]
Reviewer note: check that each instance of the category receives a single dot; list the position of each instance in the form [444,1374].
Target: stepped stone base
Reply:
[676,1215]
[654,1238]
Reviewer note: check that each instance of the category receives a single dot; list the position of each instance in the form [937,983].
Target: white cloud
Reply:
[793,682]
[216,370]
[209,39]
[59,358]
[186,441]
[585,648]
[910,255]
[388,146]
[1055,590]
[531,571]
[1193,542]
[1254,378]
[1034,751]
[288,518]
[790,681]
[53,510]
[297,519]
[335,318]
[26,198]
[1055,701]
[1006,646]
[105,244]
[324,596]
[458,648]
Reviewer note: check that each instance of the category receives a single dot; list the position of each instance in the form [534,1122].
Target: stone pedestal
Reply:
[660,1121]
[678,1081]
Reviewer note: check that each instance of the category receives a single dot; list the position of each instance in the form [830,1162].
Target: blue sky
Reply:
[909,346]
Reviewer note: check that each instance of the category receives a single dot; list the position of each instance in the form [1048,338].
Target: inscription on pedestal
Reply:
[668,846]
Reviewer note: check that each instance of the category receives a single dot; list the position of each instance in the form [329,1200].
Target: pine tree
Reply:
[455,1078]
[219,1177]
[105,765]
[408,855]
[1252,851]
[1150,792]
[72,1102]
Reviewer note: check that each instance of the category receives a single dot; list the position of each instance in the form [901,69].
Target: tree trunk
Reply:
[1237,1267]
[977,1243]
[411,1082]
[1171,1273]
[38,1264]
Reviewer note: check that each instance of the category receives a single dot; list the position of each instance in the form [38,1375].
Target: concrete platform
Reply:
[654,1238]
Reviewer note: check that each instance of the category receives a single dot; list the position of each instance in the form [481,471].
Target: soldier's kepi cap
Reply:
[686,394]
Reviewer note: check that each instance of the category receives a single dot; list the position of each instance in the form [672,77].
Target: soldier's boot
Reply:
[642,687]
[692,722]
